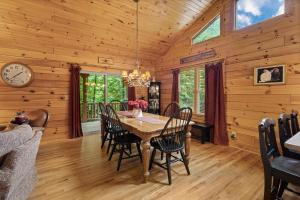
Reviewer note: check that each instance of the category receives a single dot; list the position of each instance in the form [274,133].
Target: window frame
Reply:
[264,21]
[205,27]
[196,69]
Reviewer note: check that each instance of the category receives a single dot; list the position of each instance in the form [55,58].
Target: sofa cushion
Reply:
[18,165]
[10,140]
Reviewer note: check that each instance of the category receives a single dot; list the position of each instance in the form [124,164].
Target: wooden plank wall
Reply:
[30,33]
[275,41]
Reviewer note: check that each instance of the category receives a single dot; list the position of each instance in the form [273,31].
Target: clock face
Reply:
[16,74]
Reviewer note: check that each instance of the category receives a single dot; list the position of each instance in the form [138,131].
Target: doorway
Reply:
[95,88]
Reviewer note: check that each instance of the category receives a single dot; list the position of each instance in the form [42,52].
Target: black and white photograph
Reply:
[269,75]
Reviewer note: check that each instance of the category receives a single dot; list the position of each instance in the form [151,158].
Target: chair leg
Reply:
[112,151]
[129,147]
[120,157]
[168,158]
[282,187]
[139,151]
[268,189]
[104,139]
[275,188]
[185,162]
[109,144]
[161,155]
[152,158]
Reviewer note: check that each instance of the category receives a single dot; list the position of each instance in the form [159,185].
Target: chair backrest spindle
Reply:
[171,109]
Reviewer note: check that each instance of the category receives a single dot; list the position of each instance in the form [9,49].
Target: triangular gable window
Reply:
[212,30]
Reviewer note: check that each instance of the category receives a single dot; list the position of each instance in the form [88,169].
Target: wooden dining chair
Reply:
[104,119]
[121,137]
[278,170]
[171,140]
[294,122]
[171,109]
[124,105]
[285,133]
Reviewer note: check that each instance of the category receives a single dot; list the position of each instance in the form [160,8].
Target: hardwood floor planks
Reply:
[78,169]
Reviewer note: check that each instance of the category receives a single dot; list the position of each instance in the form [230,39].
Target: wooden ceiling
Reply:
[74,27]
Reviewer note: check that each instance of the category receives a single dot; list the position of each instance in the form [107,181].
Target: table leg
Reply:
[146,156]
[188,146]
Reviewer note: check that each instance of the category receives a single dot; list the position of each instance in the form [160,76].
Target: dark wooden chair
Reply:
[285,133]
[104,119]
[121,137]
[38,118]
[278,170]
[171,140]
[124,105]
[294,122]
[171,109]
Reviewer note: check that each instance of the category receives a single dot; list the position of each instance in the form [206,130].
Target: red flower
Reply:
[142,104]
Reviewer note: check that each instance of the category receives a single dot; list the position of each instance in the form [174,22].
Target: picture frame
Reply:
[270,75]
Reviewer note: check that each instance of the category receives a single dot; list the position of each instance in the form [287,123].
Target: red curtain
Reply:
[175,86]
[215,102]
[131,96]
[75,120]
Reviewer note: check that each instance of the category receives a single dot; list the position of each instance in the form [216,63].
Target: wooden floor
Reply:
[79,170]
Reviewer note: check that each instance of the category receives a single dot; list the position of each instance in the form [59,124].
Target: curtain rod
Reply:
[199,63]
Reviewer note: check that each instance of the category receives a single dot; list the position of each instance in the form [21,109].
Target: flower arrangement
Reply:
[139,104]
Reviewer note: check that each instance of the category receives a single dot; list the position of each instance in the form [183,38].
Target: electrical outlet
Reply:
[233,135]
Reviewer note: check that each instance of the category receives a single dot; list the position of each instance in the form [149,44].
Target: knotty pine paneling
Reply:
[49,90]
[46,35]
[275,41]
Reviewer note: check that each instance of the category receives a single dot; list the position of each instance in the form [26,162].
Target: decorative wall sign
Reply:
[270,75]
[107,61]
[200,56]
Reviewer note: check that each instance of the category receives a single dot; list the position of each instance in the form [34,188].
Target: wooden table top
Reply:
[293,143]
[145,127]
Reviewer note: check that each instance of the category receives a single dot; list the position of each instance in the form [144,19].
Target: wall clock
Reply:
[16,74]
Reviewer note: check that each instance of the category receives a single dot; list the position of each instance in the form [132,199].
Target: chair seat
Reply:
[169,146]
[287,169]
[127,139]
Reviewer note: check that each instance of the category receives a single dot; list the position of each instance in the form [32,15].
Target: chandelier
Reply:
[136,78]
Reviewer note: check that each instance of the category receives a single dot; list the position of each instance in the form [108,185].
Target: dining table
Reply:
[147,127]
[293,143]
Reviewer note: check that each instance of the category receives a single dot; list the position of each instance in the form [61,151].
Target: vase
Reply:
[137,112]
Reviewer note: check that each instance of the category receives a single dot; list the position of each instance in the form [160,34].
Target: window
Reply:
[192,89]
[212,30]
[250,12]
[115,89]
[187,88]
[103,88]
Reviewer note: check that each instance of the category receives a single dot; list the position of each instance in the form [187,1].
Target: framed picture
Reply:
[269,75]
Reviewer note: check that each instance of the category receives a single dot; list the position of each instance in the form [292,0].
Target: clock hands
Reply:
[16,75]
